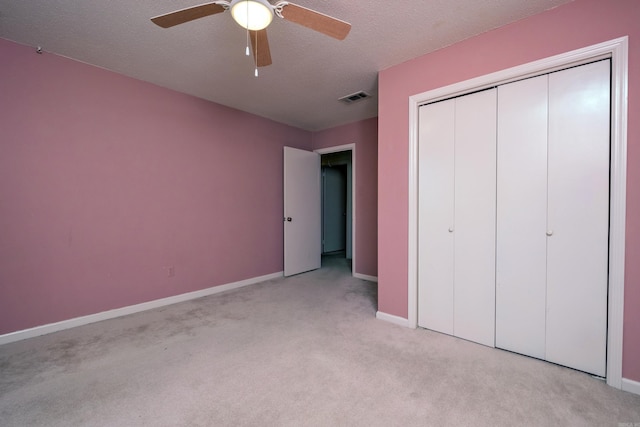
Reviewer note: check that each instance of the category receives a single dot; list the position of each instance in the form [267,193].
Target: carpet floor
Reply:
[300,351]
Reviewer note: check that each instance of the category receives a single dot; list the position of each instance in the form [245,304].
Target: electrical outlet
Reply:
[171,271]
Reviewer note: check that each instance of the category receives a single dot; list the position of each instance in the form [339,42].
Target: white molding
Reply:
[365,277]
[412,267]
[336,149]
[124,311]
[631,386]
[400,321]
[618,208]
[617,50]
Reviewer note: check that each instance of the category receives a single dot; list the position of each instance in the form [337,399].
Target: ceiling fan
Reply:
[255,16]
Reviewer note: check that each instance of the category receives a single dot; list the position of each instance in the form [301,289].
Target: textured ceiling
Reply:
[206,58]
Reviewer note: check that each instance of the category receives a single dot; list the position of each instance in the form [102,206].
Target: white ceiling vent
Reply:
[354,97]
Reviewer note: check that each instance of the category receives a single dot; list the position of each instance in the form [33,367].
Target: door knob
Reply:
[288,219]
[550,233]
[450,229]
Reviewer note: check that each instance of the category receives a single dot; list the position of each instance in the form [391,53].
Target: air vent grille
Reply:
[355,97]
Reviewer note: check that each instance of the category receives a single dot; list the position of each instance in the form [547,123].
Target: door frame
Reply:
[617,51]
[352,148]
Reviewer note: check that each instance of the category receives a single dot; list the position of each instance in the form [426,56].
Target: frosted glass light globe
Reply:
[252,14]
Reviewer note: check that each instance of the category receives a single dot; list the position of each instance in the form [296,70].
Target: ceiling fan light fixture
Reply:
[253,15]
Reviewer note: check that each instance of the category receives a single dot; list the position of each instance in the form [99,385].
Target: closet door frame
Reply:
[617,51]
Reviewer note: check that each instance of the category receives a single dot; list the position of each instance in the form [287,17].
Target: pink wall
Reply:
[364,135]
[569,27]
[106,180]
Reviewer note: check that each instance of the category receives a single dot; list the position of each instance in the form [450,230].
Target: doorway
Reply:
[336,208]
[338,203]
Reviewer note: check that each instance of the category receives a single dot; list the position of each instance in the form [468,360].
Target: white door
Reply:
[578,217]
[553,222]
[521,252]
[302,216]
[456,232]
[435,210]
[475,217]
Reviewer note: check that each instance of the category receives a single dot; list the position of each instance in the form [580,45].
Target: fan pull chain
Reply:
[256,56]
[247,50]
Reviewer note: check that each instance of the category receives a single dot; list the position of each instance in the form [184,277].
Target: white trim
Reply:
[365,277]
[617,50]
[400,321]
[631,386]
[118,312]
[336,149]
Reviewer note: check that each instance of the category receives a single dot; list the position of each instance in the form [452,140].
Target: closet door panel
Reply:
[435,212]
[475,217]
[521,257]
[578,168]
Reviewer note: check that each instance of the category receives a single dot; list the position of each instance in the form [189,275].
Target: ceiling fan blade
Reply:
[316,21]
[260,47]
[189,14]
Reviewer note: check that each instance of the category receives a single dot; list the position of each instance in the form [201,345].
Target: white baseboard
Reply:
[365,277]
[118,312]
[631,386]
[392,319]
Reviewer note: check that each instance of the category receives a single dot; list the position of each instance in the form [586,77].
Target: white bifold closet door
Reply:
[578,217]
[552,217]
[521,255]
[436,221]
[456,242]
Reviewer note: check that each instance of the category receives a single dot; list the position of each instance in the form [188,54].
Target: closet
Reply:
[517,256]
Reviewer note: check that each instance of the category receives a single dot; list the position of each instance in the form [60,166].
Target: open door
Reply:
[302,216]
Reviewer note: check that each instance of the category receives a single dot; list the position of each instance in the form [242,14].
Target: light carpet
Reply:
[299,351]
